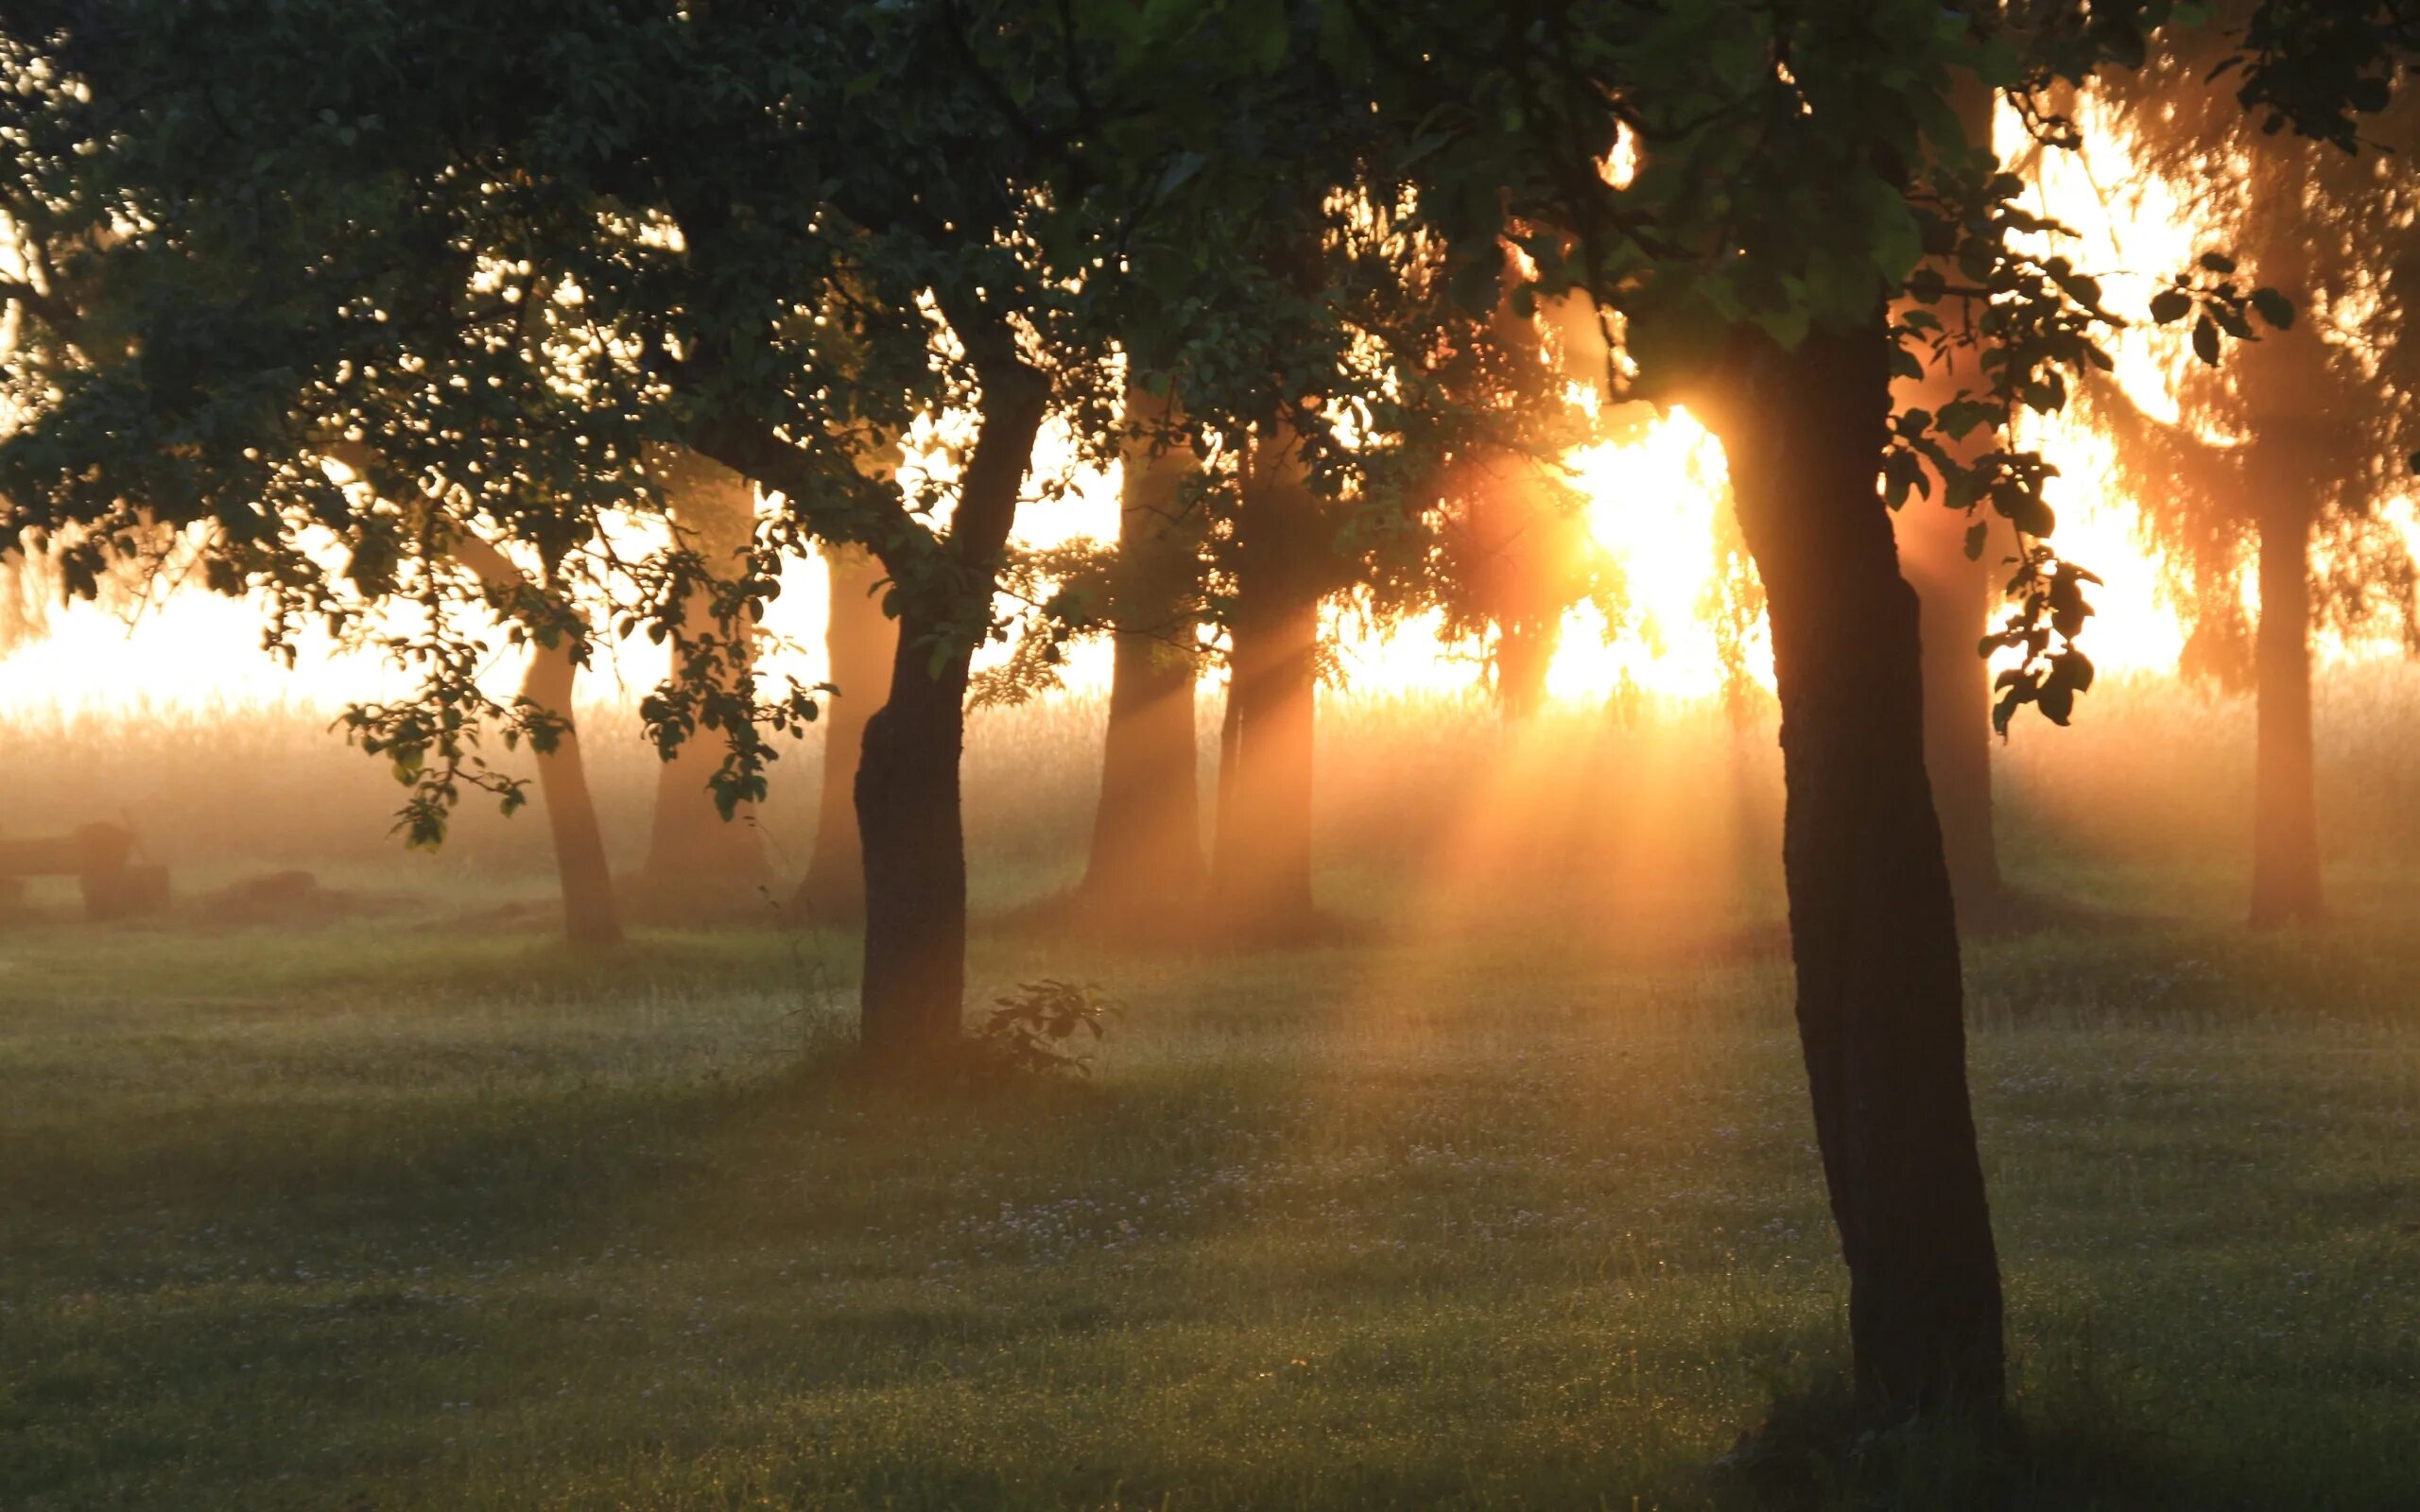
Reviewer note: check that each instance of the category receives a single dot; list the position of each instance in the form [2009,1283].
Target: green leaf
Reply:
[2170,305]
[2205,340]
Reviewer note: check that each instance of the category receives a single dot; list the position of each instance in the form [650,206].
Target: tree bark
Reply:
[592,916]
[860,642]
[907,803]
[699,863]
[1145,871]
[2285,811]
[1874,930]
[1260,867]
[907,797]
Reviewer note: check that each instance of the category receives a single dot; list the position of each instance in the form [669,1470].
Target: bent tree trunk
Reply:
[1874,930]
[697,862]
[859,642]
[591,914]
[907,797]
[2285,811]
[1145,871]
[1260,865]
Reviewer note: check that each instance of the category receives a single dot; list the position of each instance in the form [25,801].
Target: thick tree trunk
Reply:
[909,814]
[1260,867]
[2285,811]
[1146,868]
[591,912]
[699,863]
[1874,929]
[860,642]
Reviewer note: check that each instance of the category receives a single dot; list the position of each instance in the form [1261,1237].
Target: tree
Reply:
[591,913]
[1145,871]
[537,252]
[703,862]
[1280,564]
[2307,456]
[1797,163]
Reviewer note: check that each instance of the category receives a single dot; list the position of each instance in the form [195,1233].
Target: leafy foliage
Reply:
[1042,1028]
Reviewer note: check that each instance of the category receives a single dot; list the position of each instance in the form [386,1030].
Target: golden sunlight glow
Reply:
[1654,496]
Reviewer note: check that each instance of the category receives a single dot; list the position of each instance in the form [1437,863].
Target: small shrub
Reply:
[1038,1029]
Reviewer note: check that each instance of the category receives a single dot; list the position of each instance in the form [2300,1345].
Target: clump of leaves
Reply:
[1044,1028]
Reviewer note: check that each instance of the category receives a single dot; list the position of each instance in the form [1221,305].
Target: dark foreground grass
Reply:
[378,1215]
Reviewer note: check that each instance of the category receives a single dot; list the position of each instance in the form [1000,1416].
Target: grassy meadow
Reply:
[1505,1196]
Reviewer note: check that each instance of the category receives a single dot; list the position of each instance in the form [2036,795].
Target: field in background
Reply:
[1629,803]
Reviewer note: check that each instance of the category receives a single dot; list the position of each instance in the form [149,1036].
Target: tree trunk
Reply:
[2285,812]
[1524,654]
[908,817]
[860,642]
[907,805]
[1874,929]
[591,914]
[1260,867]
[699,863]
[1954,599]
[1146,870]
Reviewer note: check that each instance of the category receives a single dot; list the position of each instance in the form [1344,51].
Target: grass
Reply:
[350,1220]
[1500,1205]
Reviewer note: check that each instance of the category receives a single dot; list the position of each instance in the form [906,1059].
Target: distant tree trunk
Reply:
[1145,869]
[1260,865]
[699,863]
[1524,653]
[2284,810]
[591,914]
[1954,594]
[907,797]
[1954,597]
[859,642]
[1873,926]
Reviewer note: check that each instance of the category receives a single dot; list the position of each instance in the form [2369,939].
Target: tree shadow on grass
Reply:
[1817,1452]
